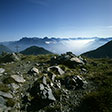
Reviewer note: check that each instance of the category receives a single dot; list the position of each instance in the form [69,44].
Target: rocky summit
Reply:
[54,83]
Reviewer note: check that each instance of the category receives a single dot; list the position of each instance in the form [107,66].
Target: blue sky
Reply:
[55,18]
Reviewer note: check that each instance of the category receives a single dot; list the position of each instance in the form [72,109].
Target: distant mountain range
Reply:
[58,45]
[4,49]
[104,51]
[34,50]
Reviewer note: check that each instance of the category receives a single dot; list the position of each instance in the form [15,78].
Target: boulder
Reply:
[14,57]
[52,76]
[6,95]
[43,89]
[41,93]
[34,71]
[2,101]
[74,82]
[14,86]
[2,71]
[3,107]
[56,69]
[76,60]
[18,78]
[10,57]
[68,59]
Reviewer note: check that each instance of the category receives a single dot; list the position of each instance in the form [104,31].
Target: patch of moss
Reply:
[55,108]
[10,102]
[98,101]
[9,80]
[4,88]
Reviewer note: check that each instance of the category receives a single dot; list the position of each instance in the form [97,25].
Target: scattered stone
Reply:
[15,57]
[18,78]
[42,95]
[57,69]
[3,107]
[51,76]
[83,71]
[2,101]
[33,70]
[44,91]
[76,60]
[49,90]
[2,70]
[14,86]
[58,83]
[6,95]
[1,74]
[74,82]
[68,59]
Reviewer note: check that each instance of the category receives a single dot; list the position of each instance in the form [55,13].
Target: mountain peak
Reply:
[35,50]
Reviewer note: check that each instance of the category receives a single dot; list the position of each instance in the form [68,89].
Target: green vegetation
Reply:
[4,49]
[10,102]
[100,73]
[104,51]
[34,50]
[98,101]
[4,88]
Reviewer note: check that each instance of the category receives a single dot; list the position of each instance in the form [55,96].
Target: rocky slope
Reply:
[54,83]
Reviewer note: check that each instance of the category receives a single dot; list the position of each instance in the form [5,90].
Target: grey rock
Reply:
[51,76]
[58,83]
[1,74]
[57,69]
[15,57]
[46,92]
[18,78]
[68,59]
[76,60]
[50,94]
[42,95]
[3,107]
[74,82]
[4,94]
[10,57]
[44,80]
[2,70]
[14,86]
[2,101]
[33,70]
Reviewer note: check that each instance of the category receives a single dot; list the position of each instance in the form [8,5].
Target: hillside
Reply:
[4,49]
[104,51]
[34,50]
[55,83]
